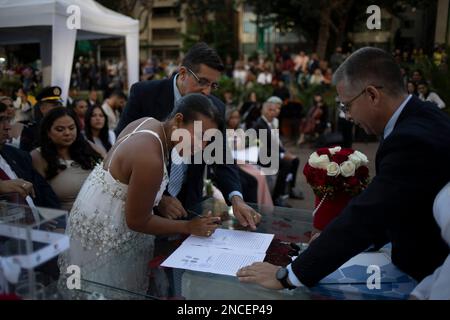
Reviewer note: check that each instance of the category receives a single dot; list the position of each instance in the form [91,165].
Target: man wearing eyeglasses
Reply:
[397,206]
[17,174]
[199,73]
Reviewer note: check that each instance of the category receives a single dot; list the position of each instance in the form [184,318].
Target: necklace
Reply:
[167,146]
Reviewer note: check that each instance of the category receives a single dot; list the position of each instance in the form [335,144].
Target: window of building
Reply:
[408,24]
[249,27]
[166,12]
[164,34]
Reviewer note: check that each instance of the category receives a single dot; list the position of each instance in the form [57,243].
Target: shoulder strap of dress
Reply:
[141,124]
[129,135]
[124,138]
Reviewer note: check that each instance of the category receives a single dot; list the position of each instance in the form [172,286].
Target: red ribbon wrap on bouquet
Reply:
[330,208]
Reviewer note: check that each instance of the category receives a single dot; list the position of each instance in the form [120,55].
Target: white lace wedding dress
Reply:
[101,243]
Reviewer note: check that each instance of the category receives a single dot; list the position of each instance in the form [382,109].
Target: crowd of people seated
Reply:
[58,145]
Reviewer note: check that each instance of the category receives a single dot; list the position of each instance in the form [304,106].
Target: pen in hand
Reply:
[195,214]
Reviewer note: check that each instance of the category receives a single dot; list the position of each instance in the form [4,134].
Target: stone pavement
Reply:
[303,152]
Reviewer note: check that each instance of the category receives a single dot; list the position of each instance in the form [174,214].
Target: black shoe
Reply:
[280,202]
[294,194]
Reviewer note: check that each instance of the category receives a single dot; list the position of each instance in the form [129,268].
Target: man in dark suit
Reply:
[16,171]
[17,177]
[288,163]
[397,206]
[199,73]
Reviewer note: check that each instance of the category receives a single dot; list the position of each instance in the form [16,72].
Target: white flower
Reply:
[355,159]
[319,162]
[348,169]
[313,155]
[362,156]
[335,150]
[333,169]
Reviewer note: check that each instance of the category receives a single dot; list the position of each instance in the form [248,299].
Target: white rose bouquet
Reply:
[337,170]
[336,175]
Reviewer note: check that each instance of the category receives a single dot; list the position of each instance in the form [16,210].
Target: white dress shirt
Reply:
[12,175]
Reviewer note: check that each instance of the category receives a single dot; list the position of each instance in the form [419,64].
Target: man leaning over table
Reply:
[412,167]
[199,72]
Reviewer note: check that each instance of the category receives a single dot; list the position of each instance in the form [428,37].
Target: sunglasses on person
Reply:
[203,82]
[345,106]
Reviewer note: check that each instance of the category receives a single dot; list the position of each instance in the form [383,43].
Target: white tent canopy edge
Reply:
[58,41]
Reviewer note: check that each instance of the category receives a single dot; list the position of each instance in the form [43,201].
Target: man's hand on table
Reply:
[171,208]
[244,213]
[261,273]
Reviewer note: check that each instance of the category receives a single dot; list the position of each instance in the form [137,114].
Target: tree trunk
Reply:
[324,28]
[340,37]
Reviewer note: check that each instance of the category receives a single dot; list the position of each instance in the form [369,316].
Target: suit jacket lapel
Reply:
[166,102]
[377,157]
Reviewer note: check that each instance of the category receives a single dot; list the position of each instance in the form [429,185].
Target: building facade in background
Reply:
[161,30]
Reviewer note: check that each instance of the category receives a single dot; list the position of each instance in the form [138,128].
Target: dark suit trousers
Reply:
[286,167]
[249,187]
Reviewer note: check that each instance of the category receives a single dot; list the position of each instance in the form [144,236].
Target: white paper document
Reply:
[225,252]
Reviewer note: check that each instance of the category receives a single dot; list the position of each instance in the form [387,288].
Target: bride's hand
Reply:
[203,226]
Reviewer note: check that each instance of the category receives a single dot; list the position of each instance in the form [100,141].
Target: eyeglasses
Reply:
[202,82]
[345,106]
[5,120]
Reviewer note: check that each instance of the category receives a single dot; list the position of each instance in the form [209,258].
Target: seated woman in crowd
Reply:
[426,95]
[64,158]
[250,110]
[96,129]
[80,107]
[233,120]
[412,88]
[23,105]
[317,77]
[315,121]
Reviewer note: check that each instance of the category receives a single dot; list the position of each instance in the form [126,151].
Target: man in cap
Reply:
[48,99]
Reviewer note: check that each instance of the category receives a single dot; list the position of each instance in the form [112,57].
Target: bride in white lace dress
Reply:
[111,225]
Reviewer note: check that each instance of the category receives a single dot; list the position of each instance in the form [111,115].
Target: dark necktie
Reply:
[3,175]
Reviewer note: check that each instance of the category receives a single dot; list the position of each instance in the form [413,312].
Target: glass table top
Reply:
[291,229]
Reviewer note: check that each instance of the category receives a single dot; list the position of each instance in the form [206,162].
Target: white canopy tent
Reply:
[45,22]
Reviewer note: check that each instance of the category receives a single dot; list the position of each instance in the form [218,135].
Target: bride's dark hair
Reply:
[191,105]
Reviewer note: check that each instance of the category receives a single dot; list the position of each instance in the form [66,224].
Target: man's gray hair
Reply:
[3,98]
[371,66]
[274,100]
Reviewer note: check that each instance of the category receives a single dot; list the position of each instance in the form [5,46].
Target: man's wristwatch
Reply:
[282,276]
